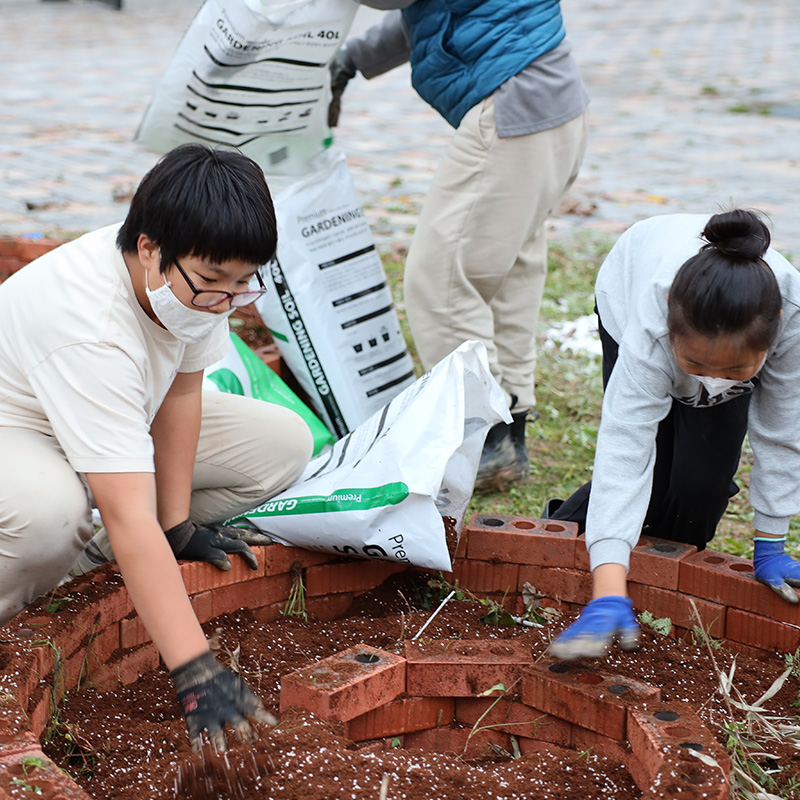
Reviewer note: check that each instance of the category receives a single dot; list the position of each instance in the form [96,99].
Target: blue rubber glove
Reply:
[599,623]
[776,569]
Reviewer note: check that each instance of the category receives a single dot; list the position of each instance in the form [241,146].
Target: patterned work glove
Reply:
[775,568]
[590,636]
[211,697]
[212,542]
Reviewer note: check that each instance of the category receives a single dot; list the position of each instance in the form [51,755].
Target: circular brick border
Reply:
[97,635]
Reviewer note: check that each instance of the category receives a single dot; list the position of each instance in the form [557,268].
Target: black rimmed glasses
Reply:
[205,298]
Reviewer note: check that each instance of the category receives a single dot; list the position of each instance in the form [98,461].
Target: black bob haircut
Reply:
[727,289]
[212,204]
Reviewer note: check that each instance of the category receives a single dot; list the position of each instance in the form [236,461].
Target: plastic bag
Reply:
[252,75]
[241,371]
[382,490]
[331,313]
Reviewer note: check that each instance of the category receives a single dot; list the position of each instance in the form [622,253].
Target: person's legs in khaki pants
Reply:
[45,517]
[248,451]
[478,261]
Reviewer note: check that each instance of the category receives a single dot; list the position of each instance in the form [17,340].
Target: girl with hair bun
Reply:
[700,347]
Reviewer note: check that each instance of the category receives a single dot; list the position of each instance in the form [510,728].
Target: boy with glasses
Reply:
[103,342]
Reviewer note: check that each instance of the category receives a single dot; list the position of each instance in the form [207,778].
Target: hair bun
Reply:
[738,234]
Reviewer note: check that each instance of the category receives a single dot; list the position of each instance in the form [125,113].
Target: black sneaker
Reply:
[504,460]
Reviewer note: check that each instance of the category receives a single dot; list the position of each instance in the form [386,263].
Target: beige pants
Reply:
[248,451]
[478,261]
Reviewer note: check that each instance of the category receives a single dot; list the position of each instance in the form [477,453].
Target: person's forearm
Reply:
[154,583]
[381,47]
[609,579]
[175,431]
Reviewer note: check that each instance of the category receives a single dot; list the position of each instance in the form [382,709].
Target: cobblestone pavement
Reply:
[694,105]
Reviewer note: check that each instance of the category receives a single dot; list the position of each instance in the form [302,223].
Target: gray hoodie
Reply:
[631,293]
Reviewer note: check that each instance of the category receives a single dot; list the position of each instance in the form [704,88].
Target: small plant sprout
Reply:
[501,691]
[296,601]
[662,626]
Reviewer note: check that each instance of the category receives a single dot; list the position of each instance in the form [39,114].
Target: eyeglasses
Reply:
[203,298]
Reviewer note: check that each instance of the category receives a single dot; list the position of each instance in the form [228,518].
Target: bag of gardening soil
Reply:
[241,371]
[382,490]
[331,313]
[252,74]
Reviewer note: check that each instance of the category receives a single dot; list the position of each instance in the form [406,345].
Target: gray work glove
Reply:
[212,542]
[342,69]
[211,697]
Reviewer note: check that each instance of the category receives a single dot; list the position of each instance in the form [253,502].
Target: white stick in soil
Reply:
[432,616]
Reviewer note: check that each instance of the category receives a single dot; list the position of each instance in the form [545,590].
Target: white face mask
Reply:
[715,386]
[189,325]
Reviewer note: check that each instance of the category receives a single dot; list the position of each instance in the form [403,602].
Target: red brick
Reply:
[348,576]
[678,608]
[31,667]
[758,631]
[198,576]
[346,685]
[127,667]
[662,735]
[250,594]
[758,653]
[46,780]
[570,585]
[590,698]
[405,715]
[482,576]
[457,740]
[132,632]
[279,558]
[15,729]
[514,717]
[39,713]
[463,668]
[268,613]
[585,740]
[731,581]
[328,607]
[203,606]
[104,645]
[655,562]
[523,541]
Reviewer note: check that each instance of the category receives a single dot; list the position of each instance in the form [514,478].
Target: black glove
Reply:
[211,542]
[342,69]
[211,697]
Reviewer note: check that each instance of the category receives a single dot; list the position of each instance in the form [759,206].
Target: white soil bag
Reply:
[382,490]
[252,74]
[329,308]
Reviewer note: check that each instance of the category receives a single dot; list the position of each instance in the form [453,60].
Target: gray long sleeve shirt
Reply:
[631,293]
[547,93]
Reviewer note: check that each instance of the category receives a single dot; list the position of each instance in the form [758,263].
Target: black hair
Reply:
[727,288]
[213,204]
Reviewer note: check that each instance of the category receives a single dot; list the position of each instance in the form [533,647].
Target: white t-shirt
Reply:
[80,360]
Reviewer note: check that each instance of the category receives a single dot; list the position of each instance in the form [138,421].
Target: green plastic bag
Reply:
[242,372]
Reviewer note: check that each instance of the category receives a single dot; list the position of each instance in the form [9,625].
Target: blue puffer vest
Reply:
[462,50]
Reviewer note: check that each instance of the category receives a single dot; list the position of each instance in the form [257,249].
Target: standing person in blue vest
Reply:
[502,74]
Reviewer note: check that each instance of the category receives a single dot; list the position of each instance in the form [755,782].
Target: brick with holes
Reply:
[347,684]
[588,697]
[463,668]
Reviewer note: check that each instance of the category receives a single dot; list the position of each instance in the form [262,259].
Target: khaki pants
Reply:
[248,451]
[478,261]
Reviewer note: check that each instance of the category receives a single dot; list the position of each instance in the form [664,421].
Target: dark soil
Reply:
[131,743]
